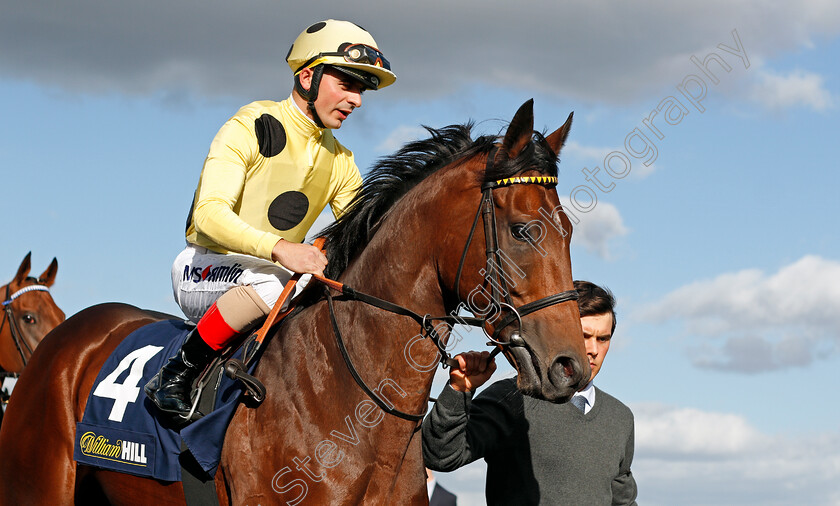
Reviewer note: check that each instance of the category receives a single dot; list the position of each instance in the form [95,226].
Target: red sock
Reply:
[214,330]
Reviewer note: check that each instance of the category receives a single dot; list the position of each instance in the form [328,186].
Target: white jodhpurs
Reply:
[200,276]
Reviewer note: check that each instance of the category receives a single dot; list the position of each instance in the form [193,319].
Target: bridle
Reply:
[499,288]
[500,297]
[14,329]
[8,315]
[499,293]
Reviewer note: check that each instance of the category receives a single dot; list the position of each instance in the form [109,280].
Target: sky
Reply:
[700,165]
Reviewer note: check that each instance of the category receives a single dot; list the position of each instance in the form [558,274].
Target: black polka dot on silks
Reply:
[271,136]
[317,26]
[287,210]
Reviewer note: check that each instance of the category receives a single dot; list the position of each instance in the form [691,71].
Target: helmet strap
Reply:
[311,95]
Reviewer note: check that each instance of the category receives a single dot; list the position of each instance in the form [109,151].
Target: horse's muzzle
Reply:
[567,374]
[555,383]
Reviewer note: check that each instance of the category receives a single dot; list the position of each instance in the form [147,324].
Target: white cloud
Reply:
[752,321]
[795,89]
[401,136]
[668,432]
[578,150]
[642,171]
[597,228]
[690,457]
[592,157]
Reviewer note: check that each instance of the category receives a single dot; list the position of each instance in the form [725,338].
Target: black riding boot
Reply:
[171,386]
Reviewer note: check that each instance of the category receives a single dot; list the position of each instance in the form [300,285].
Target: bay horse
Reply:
[348,380]
[29,313]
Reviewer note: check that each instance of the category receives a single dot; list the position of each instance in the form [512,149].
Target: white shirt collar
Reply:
[307,118]
[588,393]
[430,486]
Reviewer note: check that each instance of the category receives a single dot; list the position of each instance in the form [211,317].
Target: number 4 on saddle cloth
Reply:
[120,429]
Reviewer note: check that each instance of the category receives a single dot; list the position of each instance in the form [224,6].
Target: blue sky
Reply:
[722,252]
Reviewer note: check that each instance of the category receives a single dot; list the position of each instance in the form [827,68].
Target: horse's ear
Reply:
[520,130]
[48,276]
[23,270]
[558,138]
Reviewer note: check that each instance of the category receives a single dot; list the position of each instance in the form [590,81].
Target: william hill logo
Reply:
[126,452]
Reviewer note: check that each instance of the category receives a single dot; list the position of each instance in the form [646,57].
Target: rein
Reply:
[14,329]
[499,295]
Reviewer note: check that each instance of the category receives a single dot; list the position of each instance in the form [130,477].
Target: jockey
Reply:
[270,171]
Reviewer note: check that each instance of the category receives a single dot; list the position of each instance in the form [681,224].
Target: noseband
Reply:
[500,295]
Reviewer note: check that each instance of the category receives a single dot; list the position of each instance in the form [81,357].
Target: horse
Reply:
[29,313]
[349,375]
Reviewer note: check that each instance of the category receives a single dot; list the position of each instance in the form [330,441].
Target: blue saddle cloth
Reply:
[120,429]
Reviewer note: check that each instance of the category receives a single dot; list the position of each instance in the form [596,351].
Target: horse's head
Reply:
[453,223]
[514,268]
[29,313]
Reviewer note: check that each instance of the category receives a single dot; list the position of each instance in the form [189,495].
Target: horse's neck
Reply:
[403,281]
[397,266]
[9,356]
[408,280]
[399,262]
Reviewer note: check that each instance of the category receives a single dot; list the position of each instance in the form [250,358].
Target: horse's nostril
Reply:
[564,372]
[568,366]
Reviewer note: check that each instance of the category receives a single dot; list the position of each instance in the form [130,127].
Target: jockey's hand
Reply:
[474,369]
[302,258]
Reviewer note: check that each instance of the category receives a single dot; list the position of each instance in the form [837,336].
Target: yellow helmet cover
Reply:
[344,45]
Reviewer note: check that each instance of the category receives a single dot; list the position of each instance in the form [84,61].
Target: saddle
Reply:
[122,430]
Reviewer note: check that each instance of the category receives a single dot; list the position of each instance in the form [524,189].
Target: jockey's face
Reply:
[338,96]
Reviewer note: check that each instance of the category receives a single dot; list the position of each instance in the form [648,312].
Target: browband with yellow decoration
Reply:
[543,180]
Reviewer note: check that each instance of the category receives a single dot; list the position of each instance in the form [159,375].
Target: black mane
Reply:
[392,177]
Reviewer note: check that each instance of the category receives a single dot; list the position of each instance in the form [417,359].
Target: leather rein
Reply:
[500,297]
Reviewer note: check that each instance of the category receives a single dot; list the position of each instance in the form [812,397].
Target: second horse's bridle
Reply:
[8,315]
[14,330]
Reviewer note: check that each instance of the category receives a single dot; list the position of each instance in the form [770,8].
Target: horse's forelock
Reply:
[537,155]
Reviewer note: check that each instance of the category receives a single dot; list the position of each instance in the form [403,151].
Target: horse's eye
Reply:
[29,318]
[520,232]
